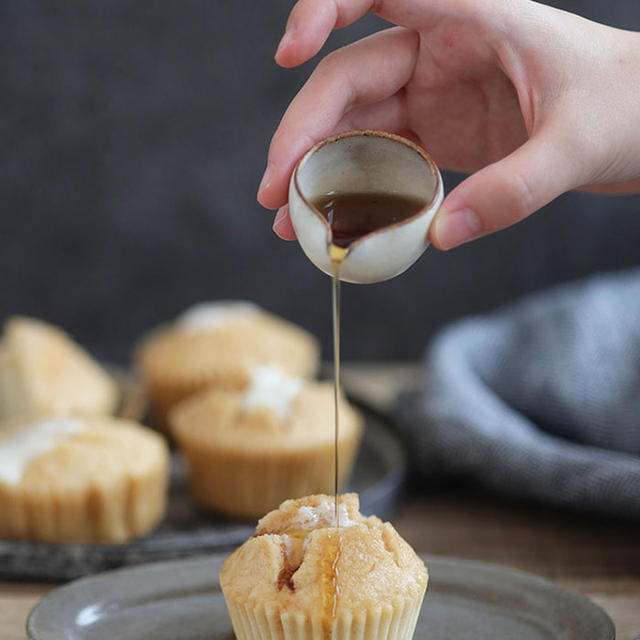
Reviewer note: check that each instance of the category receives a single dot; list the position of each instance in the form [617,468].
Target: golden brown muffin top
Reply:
[275,413]
[44,372]
[69,453]
[238,337]
[298,559]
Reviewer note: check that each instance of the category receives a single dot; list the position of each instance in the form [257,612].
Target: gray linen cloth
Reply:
[539,400]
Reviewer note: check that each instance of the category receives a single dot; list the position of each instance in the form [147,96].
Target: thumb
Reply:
[505,192]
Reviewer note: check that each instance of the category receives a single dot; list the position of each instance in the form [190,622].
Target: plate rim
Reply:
[439,562]
[528,577]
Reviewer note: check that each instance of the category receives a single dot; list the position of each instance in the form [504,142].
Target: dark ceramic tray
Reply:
[378,476]
[182,601]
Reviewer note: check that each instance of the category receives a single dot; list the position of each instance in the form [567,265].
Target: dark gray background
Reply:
[132,139]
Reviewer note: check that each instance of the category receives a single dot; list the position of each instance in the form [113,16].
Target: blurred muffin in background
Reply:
[43,372]
[247,451]
[301,578]
[217,345]
[81,479]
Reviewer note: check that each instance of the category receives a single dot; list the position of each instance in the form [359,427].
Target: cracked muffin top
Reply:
[298,559]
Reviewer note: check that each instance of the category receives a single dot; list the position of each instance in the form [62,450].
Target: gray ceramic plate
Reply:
[182,601]
[186,531]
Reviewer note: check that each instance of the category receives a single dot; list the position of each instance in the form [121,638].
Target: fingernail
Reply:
[280,216]
[457,227]
[287,38]
[266,178]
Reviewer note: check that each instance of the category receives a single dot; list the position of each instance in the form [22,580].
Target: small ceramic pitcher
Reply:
[365,162]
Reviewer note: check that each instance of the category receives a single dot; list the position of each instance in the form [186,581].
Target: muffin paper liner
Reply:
[393,621]
[249,484]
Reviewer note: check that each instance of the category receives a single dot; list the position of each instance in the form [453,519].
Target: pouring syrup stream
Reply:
[350,217]
[337,255]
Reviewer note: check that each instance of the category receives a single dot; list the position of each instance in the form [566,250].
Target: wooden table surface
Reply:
[599,558]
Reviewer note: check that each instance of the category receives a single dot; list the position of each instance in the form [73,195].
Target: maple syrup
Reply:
[351,216]
[354,215]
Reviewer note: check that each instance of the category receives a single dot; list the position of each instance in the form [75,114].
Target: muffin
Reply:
[247,451]
[217,344]
[301,578]
[43,372]
[81,479]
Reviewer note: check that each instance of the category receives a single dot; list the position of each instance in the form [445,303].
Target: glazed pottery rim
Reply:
[371,133]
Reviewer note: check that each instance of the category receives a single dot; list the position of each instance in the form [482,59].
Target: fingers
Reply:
[366,72]
[388,115]
[311,21]
[505,192]
[309,26]
[282,225]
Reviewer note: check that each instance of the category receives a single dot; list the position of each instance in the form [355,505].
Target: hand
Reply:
[534,100]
